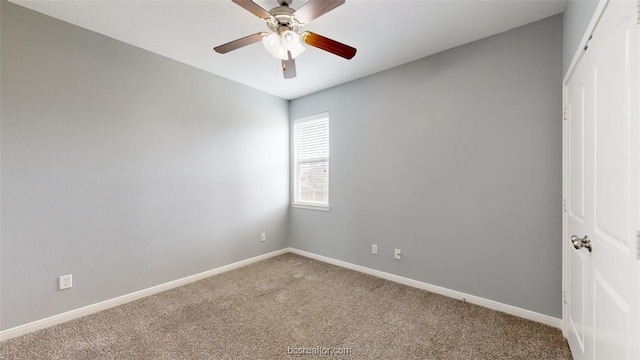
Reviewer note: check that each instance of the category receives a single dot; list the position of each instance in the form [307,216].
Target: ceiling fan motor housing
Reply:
[282,19]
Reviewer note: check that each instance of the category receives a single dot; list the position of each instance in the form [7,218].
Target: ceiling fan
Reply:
[286,37]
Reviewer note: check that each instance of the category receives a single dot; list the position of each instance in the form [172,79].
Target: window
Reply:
[311,162]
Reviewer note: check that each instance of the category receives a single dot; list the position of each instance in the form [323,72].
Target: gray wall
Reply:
[125,168]
[576,18]
[455,159]
[129,170]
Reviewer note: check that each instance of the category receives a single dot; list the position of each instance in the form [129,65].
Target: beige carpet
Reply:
[290,305]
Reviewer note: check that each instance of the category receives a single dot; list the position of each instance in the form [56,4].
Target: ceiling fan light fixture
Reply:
[297,51]
[273,44]
[280,45]
[285,40]
[290,39]
[291,42]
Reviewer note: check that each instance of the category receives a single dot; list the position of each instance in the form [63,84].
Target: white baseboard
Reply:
[91,309]
[494,305]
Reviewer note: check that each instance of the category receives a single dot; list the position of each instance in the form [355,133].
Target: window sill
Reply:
[311,207]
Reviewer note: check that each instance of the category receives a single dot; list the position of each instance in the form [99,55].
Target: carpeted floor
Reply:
[287,306]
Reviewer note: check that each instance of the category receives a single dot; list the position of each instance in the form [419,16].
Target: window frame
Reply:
[296,203]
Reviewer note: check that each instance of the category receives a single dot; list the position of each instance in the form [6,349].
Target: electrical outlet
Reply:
[374,249]
[397,254]
[65,282]
[263,237]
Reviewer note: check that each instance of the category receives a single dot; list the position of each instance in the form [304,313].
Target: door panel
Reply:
[578,282]
[612,331]
[611,139]
[576,171]
[577,291]
[602,99]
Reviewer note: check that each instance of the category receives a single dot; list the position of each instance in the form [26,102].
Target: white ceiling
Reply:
[387,33]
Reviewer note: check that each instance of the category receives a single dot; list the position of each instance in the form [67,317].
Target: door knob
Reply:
[579,243]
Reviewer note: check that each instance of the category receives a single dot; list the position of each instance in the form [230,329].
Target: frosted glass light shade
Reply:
[278,45]
[297,51]
[273,44]
[290,40]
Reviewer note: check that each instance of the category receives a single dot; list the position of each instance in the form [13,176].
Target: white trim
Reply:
[311,207]
[91,309]
[602,4]
[565,220]
[597,14]
[494,305]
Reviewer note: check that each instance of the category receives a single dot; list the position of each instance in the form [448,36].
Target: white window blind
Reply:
[311,160]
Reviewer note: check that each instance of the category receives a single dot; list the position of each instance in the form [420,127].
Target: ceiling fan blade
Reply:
[236,44]
[289,67]
[329,45]
[253,8]
[315,8]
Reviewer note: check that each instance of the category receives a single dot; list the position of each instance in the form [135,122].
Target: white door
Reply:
[602,183]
